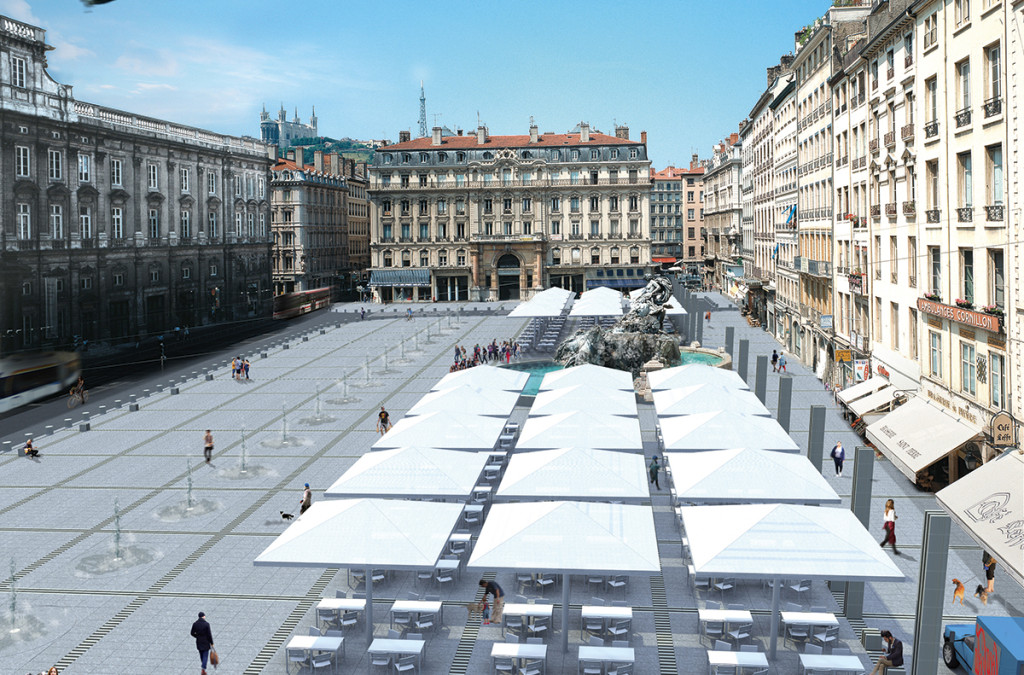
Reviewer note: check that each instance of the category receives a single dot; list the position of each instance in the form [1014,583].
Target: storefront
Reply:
[400,285]
[451,288]
[630,277]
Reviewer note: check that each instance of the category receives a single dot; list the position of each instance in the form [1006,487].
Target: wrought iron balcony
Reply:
[993,107]
[931,129]
[575,237]
[633,235]
[890,139]
[891,72]
[873,146]
[856,281]
[965,214]
[962,117]
[876,210]
[894,277]
[932,215]
[907,133]
[890,209]
[909,208]
[908,60]
[994,213]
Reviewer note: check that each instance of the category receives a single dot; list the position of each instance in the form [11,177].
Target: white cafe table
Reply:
[399,647]
[314,643]
[809,619]
[605,654]
[341,605]
[605,613]
[841,663]
[417,607]
[450,566]
[726,616]
[523,652]
[738,659]
[525,610]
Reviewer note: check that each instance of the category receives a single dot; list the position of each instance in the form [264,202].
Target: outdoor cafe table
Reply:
[841,663]
[417,607]
[525,610]
[606,654]
[823,619]
[523,652]
[400,648]
[450,565]
[605,613]
[737,659]
[726,616]
[313,643]
[341,605]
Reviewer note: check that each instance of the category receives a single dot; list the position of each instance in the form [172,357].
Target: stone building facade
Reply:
[723,210]
[483,217]
[677,216]
[115,225]
[283,132]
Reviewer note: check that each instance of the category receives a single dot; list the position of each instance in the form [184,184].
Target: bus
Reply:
[289,305]
[34,375]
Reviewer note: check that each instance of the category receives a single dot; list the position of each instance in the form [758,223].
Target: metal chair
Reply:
[326,616]
[520,599]
[841,651]
[534,641]
[597,601]
[424,575]
[618,581]
[426,621]
[532,668]
[539,627]
[512,639]
[513,624]
[523,579]
[711,604]
[340,594]
[812,649]
[544,580]
[592,667]
[698,582]
[620,643]
[593,626]
[749,648]
[402,619]
[431,597]
[406,664]
[741,632]
[296,656]
[723,585]
[504,666]
[620,603]
[380,660]
[801,587]
[412,595]
[314,631]
[394,634]
[445,577]
[595,641]
[414,636]
[619,629]
[322,661]
[714,630]
[826,637]
[349,618]
[596,580]
[795,633]
[818,609]
[620,669]
[722,646]
[735,605]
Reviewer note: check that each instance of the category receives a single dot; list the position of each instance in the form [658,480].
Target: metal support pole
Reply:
[730,333]
[761,378]
[700,326]
[816,436]
[860,504]
[565,612]
[369,605]
[931,591]
[741,367]
[776,586]
[785,400]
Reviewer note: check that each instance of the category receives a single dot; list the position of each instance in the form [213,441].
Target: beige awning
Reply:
[883,398]
[862,389]
[918,434]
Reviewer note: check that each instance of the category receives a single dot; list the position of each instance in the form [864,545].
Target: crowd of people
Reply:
[488,353]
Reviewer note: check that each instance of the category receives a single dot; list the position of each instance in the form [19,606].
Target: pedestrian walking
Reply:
[492,588]
[782,363]
[383,421]
[990,572]
[208,446]
[893,657]
[458,353]
[306,501]
[838,454]
[234,368]
[362,313]
[653,469]
[408,314]
[707,317]
[245,366]
[889,525]
[775,361]
[30,450]
[204,639]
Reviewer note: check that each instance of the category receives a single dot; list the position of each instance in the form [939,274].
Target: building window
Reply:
[595,256]
[118,279]
[967,274]
[22,162]
[962,11]
[460,258]
[935,265]
[238,186]
[154,276]
[931,170]
[442,258]
[24,221]
[250,225]
[85,283]
[556,256]
[117,222]
[154,176]
[912,332]
[931,93]
[931,30]
[997,278]
[115,172]
[527,227]
[85,222]
[238,224]
[18,72]
[424,259]
[634,153]
[184,174]
[965,179]
[186,272]
[595,228]
[211,183]
[997,375]
[442,207]
[186,224]
[213,224]
[56,221]
[556,227]
[386,259]
[55,164]
[968,369]
[963,83]
[894,325]
[994,174]
[634,256]
[634,203]
[527,205]
[574,204]
[83,168]
[154,224]
[935,348]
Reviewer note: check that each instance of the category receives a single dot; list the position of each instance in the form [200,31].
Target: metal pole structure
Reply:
[369,605]
[860,504]
[785,400]
[565,611]
[700,325]
[776,585]
[730,333]
[816,436]
[742,366]
[761,378]
[931,591]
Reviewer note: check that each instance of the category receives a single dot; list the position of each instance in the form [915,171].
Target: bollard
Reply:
[305,339]
[761,378]
[785,401]
[67,422]
[816,436]
[174,391]
[730,332]
[741,367]
[133,407]
[931,586]
[285,346]
[323,331]
[209,377]
[84,426]
[6,446]
[263,355]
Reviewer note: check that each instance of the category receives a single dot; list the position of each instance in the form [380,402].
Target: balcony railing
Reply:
[540,182]
[873,146]
[856,281]
[575,237]
[894,277]
[909,208]
[993,107]
[931,129]
[890,209]
[633,235]
[994,213]
[860,163]
[908,60]
[890,72]
[907,133]
[890,139]
[842,161]
[962,117]
[932,215]
[876,210]
[965,214]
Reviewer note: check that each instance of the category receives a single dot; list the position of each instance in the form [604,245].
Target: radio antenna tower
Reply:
[423,112]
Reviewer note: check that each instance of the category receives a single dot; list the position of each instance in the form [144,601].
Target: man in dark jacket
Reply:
[204,639]
[893,657]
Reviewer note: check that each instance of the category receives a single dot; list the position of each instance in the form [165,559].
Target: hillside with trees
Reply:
[346,147]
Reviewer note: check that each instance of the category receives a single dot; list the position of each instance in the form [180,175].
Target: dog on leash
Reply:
[982,593]
[958,591]
[286,516]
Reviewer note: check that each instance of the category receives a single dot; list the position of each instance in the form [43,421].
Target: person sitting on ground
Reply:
[893,657]
[30,450]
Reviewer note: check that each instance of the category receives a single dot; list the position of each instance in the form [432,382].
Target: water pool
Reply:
[536,369]
[687,357]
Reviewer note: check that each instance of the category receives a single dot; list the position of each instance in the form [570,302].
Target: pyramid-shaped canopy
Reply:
[569,537]
[467,400]
[574,473]
[724,430]
[484,377]
[581,429]
[747,476]
[581,397]
[771,541]
[360,533]
[411,472]
[588,375]
[549,302]
[602,301]
[450,430]
[694,373]
[702,398]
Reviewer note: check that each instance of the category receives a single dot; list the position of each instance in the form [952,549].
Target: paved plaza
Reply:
[186,538]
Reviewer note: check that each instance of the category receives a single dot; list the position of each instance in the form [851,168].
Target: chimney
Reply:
[481,135]
[334,160]
[622,131]
[435,136]
[273,152]
[459,132]
[643,137]
[584,132]
[299,155]
[318,161]
[404,136]
[694,161]
[534,136]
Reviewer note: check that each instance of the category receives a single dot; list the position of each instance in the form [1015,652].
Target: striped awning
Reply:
[400,277]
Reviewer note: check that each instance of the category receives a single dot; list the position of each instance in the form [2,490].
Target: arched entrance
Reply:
[508,277]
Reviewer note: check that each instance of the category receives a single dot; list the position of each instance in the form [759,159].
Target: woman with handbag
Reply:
[889,524]
[204,641]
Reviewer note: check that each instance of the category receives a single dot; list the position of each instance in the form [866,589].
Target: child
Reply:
[486,612]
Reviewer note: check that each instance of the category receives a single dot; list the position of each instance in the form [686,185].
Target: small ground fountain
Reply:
[190,508]
[367,383]
[318,417]
[13,604]
[21,626]
[244,469]
[285,441]
[384,359]
[120,556]
[188,490]
[402,359]
[415,344]
[429,340]
[346,398]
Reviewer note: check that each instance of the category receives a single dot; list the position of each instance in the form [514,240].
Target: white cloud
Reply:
[20,10]
[147,61]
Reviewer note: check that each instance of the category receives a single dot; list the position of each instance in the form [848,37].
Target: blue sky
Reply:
[685,71]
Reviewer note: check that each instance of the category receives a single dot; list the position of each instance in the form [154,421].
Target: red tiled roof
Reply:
[469,141]
[672,172]
[285,164]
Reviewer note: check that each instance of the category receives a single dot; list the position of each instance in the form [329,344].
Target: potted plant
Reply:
[964,304]
[994,310]
[934,297]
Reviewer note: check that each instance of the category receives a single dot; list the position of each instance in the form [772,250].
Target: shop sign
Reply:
[844,355]
[826,322]
[861,369]
[968,317]
[1002,427]
[882,370]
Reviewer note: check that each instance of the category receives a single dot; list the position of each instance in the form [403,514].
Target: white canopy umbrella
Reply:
[694,373]
[574,473]
[600,301]
[568,538]
[724,430]
[363,534]
[594,400]
[744,476]
[444,430]
[581,429]
[484,377]
[784,541]
[987,503]
[549,302]
[412,472]
[467,400]
[703,398]
[588,375]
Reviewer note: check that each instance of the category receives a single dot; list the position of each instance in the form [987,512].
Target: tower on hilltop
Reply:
[423,112]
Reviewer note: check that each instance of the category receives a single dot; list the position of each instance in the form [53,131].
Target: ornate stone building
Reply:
[116,226]
[677,216]
[499,217]
[722,214]
[282,132]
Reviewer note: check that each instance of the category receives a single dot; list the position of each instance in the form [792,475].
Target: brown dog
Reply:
[982,593]
[958,591]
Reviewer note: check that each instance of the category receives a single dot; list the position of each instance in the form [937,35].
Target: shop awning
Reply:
[918,434]
[882,398]
[617,283]
[861,389]
[400,277]
[664,260]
